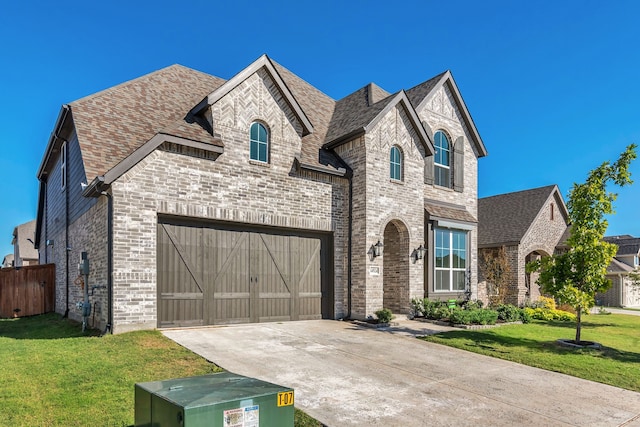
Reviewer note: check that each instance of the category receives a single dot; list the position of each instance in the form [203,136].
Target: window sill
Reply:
[396,181]
[259,163]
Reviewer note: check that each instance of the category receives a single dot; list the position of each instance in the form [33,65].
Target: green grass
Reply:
[51,374]
[534,344]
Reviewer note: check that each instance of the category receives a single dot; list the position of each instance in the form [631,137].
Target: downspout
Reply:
[109,326]
[66,193]
[66,215]
[349,249]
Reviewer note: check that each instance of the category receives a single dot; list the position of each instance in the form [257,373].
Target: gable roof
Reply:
[113,123]
[357,113]
[506,218]
[627,245]
[423,92]
[261,63]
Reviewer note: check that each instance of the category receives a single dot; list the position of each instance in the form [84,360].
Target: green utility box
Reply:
[217,400]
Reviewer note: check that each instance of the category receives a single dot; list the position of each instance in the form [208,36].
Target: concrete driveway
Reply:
[348,375]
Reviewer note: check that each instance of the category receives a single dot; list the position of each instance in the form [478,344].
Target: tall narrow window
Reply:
[395,163]
[551,211]
[63,165]
[442,160]
[451,260]
[259,142]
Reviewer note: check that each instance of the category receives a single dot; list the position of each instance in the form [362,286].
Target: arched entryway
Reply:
[396,267]
[532,288]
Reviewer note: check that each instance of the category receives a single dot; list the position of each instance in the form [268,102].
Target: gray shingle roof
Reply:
[115,122]
[505,218]
[627,245]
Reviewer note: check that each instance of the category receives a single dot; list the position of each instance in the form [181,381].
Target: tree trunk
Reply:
[578,324]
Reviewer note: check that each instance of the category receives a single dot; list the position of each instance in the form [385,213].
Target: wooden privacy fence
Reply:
[26,291]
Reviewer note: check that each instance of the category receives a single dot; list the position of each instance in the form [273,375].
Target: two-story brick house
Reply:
[203,201]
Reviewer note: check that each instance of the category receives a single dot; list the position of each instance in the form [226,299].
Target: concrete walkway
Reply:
[348,375]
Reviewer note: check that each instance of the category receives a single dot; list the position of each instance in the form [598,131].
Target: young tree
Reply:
[576,276]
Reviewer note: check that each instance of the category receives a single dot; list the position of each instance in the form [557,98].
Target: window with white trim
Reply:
[395,163]
[442,160]
[259,142]
[450,260]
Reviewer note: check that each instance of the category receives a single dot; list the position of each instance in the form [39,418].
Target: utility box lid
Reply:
[213,400]
[210,389]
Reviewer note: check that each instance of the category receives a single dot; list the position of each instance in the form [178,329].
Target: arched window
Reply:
[395,163]
[442,160]
[259,142]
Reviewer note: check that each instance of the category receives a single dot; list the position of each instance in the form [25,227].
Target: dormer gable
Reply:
[262,63]
[354,116]
[421,94]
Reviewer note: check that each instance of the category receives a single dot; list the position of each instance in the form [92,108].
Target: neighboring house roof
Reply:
[506,218]
[627,245]
[618,267]
[7,261]
[22,241]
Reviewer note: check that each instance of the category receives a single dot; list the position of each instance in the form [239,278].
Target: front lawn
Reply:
[534,344]
[51,374]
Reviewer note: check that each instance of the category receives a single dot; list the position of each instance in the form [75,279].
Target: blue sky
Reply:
[553,86]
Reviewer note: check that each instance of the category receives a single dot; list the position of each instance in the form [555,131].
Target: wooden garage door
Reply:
[217,275]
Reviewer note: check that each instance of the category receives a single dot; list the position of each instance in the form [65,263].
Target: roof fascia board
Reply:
[337,172]
[401,97]
[447,78]
[146,149]
[62,116]
[498,244]
[262,62]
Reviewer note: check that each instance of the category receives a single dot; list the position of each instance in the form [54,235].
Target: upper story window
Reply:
[259,142]
[442,160]
[395,163]
[63,165]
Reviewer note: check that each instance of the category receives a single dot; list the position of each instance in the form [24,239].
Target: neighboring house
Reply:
[623,292]
[24,251]
[529,224]
[7,262]
[202,201]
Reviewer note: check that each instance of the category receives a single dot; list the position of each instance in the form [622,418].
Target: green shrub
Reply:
[485,316]
[508,313]
[384,315]
[430,308]
[525,317]
[461,317]
[547,314]
[472,304]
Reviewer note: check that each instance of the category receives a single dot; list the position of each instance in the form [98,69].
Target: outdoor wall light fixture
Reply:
[375,250]
[49,242]
[418,253]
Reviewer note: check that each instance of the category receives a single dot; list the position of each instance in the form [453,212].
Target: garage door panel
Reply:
[180,312]
[269,272]
[235,309]
[180,296]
